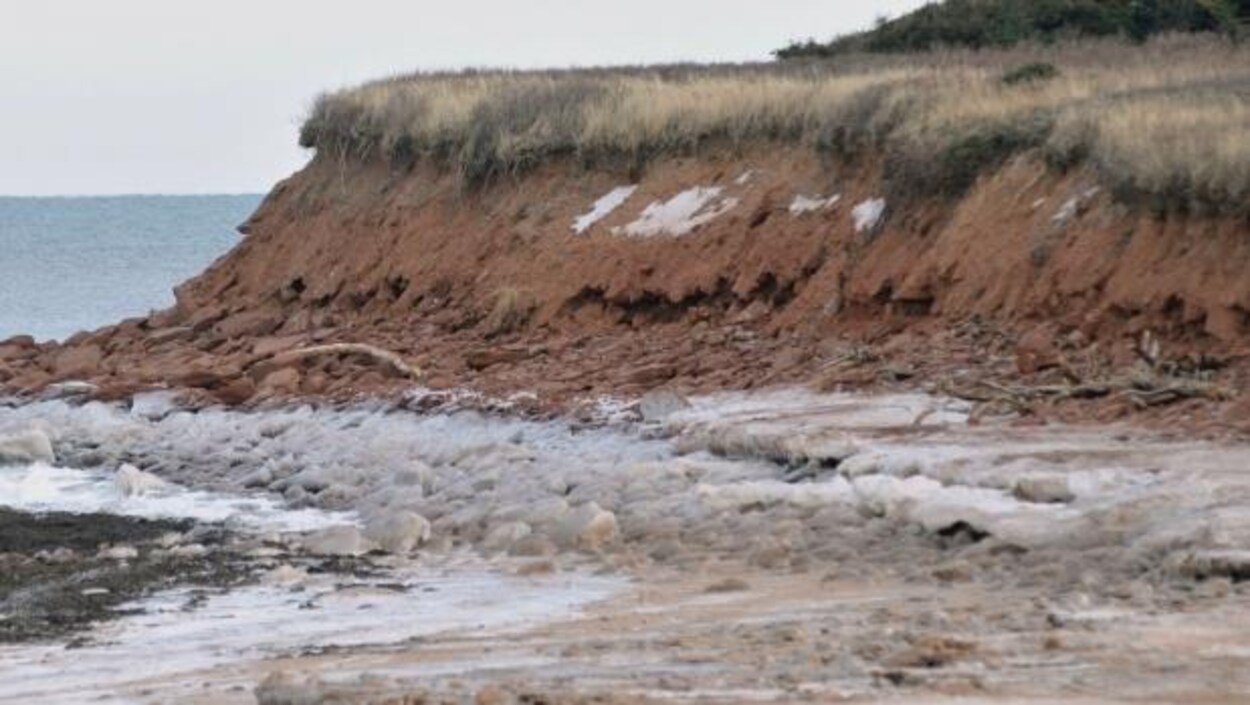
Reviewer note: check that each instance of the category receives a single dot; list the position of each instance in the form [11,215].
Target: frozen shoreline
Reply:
[753,497]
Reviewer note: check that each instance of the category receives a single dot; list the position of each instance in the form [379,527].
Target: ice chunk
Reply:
[31,446]
[767,492]
[133,482]
[398,532]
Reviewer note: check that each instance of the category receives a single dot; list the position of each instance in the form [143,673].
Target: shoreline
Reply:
[911,553]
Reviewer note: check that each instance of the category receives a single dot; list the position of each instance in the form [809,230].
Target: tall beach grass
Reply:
[1166,123]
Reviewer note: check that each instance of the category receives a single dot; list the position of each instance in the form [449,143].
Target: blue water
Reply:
[71,264]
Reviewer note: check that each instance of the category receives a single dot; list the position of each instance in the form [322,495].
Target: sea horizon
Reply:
[76,263]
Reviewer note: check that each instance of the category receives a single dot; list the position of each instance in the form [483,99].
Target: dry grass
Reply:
[512,311]
[1166,121]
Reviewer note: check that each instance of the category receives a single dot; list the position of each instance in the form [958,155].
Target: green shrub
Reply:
[980,24]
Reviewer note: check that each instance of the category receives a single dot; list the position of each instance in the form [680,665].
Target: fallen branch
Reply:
[383,358]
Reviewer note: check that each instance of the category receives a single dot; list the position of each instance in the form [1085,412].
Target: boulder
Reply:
[78,362]
[336,541]
[478,360]
[398,532]
[235,392]
[1037,351]
[31,446]
[283,382]
[272,345]
[154,405]
[504,536]
[119,553]
[18,348]
[133,482]
[657,405]
[1044,489]
[650,374]
[588,528]
[260,477]
[68,389]
[248,324]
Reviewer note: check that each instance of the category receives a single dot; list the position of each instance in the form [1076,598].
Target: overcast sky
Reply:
[172,96]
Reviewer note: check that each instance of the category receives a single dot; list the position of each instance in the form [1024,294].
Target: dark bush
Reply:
[1030,73]
[979,24]
[949,166]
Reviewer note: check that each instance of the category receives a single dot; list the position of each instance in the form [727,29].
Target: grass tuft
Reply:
[511,312]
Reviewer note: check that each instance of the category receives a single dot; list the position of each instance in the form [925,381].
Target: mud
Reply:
[61,573]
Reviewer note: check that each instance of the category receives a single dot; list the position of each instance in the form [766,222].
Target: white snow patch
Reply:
[681,214]
[1072,207]
[603,208]
[745,178]
[45,488]
[809,204]
[1067,211]
[868,214]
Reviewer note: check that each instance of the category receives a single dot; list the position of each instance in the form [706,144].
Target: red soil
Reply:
[492,290]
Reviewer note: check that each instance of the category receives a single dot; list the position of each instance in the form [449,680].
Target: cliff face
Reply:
[716,271]
[359,243]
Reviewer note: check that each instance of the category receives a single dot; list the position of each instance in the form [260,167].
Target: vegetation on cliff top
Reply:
[978,24]
[1164,123]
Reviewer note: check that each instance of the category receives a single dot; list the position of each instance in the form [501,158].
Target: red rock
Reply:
[283,382]
[169,335]
[169,318]
[236,391]
[478,360]
[21,347]
[1037,351]
[270,346]
[82,361]
[249,323]
[199,379]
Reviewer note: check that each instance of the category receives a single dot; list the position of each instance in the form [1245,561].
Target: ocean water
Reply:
[71,264]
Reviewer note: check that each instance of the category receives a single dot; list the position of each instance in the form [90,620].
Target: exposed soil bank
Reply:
[716,272]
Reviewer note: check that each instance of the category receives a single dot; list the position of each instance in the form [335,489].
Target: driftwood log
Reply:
[385,359]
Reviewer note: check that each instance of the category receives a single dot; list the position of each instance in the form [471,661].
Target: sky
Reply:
[171,96]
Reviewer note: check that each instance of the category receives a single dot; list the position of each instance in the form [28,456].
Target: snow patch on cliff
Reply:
[681,214]
[603,208]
